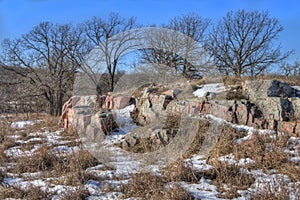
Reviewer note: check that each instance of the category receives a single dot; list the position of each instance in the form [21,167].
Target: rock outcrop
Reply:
[265,104]
[92,115]
[260,89]
[271,104]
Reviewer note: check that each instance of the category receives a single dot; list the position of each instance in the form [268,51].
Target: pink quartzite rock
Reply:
[92,113]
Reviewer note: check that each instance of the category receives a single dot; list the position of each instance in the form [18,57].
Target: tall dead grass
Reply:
[148,186]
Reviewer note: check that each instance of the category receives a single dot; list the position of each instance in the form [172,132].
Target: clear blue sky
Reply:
[19,16]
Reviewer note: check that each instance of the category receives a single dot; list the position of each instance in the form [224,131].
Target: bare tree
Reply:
[45,58]
[111,40]
[290,69]
[242,43]
[181,49]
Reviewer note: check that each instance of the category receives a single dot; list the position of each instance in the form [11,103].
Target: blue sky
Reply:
[19,16]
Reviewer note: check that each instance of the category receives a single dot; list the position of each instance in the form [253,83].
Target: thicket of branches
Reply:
[41,66]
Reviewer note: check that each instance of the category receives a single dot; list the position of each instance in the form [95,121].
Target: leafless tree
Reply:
[290,69]
[181,49]
[243,43]
[111,39]
[46,59]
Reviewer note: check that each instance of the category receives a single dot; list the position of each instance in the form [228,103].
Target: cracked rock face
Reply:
[261,89]
[90,115]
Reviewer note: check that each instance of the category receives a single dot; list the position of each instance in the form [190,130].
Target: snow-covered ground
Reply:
[111,175]
[22,124]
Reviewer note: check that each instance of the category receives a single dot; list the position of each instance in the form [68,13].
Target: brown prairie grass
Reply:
[231,80]
[181,171]
[36,193]
[268,153]
[79,194]
[42,160]
[49,123]
[72,167]
[5,141]
[232,176]
[17,193]
[196,144]
[148,186]
[226,142]
[221,173]
[280,191]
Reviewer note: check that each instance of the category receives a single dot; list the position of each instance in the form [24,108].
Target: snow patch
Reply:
[198,164]
[22,124]
[124,120]
[209,88]
[203,190]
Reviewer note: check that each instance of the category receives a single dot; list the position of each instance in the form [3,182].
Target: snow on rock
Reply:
[275,183]
[202,190]
[295,159]
[297,88]
[25,185]
[96,189]
[65,150]
[16,151]
[51,137]
[230,160]
[107,196]
[209,88]
[198,164]
[124,120]
[245,161]
[95,168]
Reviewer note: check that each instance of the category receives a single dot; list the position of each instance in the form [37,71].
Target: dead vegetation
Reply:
[148,186]
[266,150]
[17,193]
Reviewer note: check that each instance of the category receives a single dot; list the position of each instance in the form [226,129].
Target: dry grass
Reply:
[221,173]
[42,160]
[231,80]
[16,193]
[47,123]
[226,142]
[195,84]
[203,126]
[268,154]
[232,176]
[5,141]
[181,171]
[279,191]
[144,145]
[148,186]
[72,168]
[292,80]
[37,194]
[79,194]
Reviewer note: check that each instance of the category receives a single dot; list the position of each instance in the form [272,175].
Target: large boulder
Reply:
[92,114]
[261,89]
